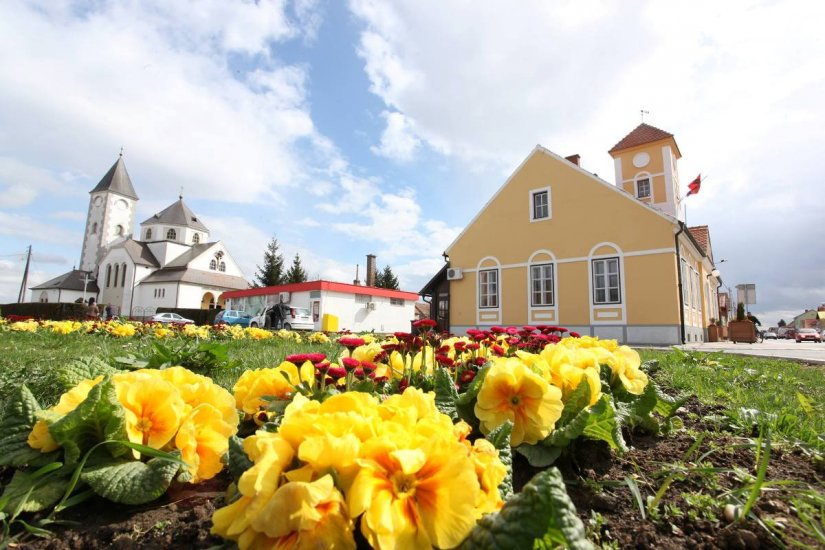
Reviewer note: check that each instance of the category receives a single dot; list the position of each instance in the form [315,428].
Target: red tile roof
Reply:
[701,235]
[642,134]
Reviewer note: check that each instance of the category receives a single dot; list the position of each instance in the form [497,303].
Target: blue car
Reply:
[232,317]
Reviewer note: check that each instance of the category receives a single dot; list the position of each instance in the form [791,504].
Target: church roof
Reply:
[117,181]
[140,253]
[197,277]
[194,251]
[177,214]
[73,280]
[641,135]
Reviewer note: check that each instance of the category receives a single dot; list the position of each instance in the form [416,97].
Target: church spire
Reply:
[117,180]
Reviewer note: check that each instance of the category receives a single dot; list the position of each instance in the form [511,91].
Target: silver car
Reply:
[171,318]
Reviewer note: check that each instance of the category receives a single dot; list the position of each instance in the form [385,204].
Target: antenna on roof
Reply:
[643,113]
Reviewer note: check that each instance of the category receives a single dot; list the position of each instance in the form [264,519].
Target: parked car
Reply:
[807,335]
[790,333]
[232,317]
[293,318]
[171,318]
[769,334]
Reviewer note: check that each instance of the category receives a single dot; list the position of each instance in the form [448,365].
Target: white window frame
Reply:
[486,298]
[547,284]
[649,183]
[542,191]
[171,234]
[213,264]
[607,287]
[685,284]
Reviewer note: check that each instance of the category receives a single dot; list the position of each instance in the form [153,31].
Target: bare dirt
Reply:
[595,483]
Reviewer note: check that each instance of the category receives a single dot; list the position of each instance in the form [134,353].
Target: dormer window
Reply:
[149,234]
[540,204]
[171,235]
[643,188]
[196,238]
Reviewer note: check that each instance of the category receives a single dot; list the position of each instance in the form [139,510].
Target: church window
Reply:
[643,188]
[213,265]
[149,234]
[109,275]
[119,230]
[94,228]
[44,297]
[171,235]
[117,270]
[123,276]
[222,266]
[196,238]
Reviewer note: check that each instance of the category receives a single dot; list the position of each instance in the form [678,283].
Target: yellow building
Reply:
[557,245]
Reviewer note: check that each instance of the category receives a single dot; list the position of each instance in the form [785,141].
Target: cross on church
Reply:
[643,113]
[121,150]
[181,193]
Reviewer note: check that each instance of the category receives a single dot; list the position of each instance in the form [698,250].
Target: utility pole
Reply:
[22,296]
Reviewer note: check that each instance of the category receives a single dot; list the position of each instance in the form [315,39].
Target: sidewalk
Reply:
[807,352]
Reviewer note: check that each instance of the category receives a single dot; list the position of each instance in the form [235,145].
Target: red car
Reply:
[807,335]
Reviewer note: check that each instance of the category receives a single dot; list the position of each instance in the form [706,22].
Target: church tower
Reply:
[645,164]
[111,215]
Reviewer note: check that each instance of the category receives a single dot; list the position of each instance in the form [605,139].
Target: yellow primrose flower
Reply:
[512,391]
[203,439]
[257,333]
[154,408]
[163,332]
[416,497]
[253,385]
[122,330]
[236,332]
[318,338]
[625,363]
[490,472]
[40,438]
[196,389]
[24,326]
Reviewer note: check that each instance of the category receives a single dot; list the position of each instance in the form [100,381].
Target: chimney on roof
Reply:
[371,270]
[574,159]
[356,282]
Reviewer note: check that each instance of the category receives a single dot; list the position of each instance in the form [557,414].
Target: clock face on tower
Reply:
[98,201]
[121,204]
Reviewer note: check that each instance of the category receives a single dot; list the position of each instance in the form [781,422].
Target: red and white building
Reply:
[355,307]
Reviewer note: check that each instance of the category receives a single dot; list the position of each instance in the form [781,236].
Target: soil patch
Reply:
[690,513]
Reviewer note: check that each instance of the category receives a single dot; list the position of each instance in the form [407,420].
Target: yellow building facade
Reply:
[556,245]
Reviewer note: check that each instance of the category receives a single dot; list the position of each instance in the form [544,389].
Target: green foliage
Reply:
[445,393]
[272,272]
[296,272]
[386,279]
[131,481]
[500,439]
[740,311]
[194,355]
[465,404]
[237,459]
[541,516]
[86,368]
[18,419]
[34,491]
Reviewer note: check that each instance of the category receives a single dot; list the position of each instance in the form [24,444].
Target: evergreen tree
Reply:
[386,279]
[781,323]
[296,273]
[272,272]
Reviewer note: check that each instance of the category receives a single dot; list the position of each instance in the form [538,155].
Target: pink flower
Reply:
[350,363]
[351,342]
[467,376]
[425,324]
[575,335]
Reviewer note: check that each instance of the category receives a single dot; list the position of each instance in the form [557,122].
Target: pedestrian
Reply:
[109,311]
[92,311]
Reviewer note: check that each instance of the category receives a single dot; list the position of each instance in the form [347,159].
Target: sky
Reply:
[383,126]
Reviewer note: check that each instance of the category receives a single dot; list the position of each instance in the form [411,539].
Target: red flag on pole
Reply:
[693,187]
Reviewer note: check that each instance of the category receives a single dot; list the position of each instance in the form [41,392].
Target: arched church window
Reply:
[213,265]
[196,238]
[94,228]
[109,275]
[44,297]
[119,230]
[171,234]
[149,234]
[222,266]
[117,270]
[123,276]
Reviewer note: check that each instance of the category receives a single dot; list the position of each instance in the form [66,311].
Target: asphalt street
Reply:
[809,352]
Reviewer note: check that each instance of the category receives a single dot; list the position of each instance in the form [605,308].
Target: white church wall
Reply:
[166,251]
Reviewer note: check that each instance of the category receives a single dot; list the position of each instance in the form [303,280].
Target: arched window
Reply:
[148,233]
[222,266]
[123,276]
[109,275]
[117,270]
[213,265]
[171,235]
[196,238]
[44,297]
[119,230]
[94,228]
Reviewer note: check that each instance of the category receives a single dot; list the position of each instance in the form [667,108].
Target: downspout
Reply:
[681,290]
[132,294]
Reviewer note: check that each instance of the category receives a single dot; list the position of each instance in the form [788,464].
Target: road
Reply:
[808,352]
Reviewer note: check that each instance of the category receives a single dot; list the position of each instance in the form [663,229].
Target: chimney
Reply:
[371,270]
[356,282]
[574,159]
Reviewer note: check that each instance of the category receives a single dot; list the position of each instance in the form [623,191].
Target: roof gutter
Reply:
[681,289]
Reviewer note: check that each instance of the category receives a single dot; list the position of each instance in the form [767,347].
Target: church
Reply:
[172,263]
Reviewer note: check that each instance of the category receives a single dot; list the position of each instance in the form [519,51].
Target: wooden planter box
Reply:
[723,334]
[742,331]
[714,333]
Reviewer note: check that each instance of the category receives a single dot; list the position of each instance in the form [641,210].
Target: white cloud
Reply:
[26,226]
[71,215]
[398,140]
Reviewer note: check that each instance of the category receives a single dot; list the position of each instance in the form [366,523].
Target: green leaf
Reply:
[500,439]
[31,492]
[465,404]
[100,417]
[576,401]
[445,393]
[805,403]
[539,456]
[563,437]
[131,481]
[541,516]
[238,461]
[17,423]
[88,368]
[603,424]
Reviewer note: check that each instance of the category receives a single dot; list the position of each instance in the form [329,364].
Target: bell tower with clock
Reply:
[111,215]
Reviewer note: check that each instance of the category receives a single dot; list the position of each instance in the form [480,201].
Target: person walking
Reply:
[752,318]
[92,311]
[109,311]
